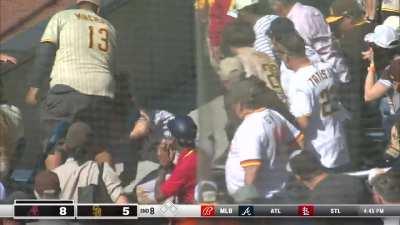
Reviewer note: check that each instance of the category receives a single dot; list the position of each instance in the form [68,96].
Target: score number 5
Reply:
[103,32]
[125,211]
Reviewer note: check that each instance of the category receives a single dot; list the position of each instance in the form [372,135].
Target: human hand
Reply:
[104,157]
[31,97]
[368,55]
[166,152]
[53,160]
[7,59]
[141,128]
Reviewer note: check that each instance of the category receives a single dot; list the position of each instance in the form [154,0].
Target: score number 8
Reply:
[63,211]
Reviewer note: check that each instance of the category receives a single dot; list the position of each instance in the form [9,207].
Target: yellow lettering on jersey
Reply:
[85,17]
[91,18]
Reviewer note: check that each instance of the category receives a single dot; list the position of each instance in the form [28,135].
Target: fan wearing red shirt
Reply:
[218,19]
[182,180]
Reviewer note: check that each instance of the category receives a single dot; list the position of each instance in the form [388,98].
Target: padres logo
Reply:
[96,211]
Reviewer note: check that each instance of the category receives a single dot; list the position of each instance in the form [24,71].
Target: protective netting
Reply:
[169,61]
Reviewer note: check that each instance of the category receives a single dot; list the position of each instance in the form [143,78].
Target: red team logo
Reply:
[34,211]
[207,210]
[305,210]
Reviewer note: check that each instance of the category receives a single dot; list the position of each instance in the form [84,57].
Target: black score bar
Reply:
[44,211]
[106,211]
[69,210]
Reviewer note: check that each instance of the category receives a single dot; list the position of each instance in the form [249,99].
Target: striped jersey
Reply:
[264,68]
[85,56]
[263,42]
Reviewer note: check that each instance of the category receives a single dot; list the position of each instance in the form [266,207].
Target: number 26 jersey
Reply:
[312,93]
[85,55]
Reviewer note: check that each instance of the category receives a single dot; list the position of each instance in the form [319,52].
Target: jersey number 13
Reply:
[103,34]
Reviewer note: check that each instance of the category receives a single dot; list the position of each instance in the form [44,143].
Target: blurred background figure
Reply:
[47,185]
[386,190]
[218,19]
[79,170]
[346,19]
[259,17]
[11,128]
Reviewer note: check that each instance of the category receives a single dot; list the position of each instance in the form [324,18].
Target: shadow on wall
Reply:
[19,15]
[156,46]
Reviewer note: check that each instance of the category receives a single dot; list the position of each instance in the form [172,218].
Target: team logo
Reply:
[305,210]
[96,211]
[34,211]
[246,210]
[207,210]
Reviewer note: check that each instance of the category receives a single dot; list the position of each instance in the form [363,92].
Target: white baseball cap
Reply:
[238,5]
[383,36]
[96,2]
[394,22]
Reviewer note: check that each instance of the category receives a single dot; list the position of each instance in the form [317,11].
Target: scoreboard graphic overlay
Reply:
[38,209]
[32,209]
[106,211]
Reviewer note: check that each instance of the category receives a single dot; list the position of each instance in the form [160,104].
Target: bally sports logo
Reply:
[207,210]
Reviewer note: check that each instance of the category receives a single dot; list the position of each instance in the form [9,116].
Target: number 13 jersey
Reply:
[312,93]
[85,55]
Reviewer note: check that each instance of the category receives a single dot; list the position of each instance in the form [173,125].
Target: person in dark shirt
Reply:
[349,26]
[5,59]
[386,190]
[326,188]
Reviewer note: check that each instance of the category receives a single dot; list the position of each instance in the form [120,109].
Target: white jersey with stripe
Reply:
[261,139]
[312,93]
[85,56]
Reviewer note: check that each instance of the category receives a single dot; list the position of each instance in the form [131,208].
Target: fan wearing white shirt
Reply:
[284,26]
[313,101]
[261,145]
[310,24]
